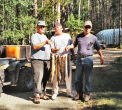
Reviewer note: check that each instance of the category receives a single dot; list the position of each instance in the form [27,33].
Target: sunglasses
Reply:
[42,26]
[87,27]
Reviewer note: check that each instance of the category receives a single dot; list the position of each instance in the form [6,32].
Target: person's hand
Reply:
[67,48]
[48,42]
[74,59]
[57,49]
[101,60]
[54,50]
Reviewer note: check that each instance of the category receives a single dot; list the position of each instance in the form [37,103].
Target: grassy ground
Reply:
[106,88]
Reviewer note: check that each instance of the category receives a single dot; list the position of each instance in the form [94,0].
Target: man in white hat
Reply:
[84,63]
[40,60]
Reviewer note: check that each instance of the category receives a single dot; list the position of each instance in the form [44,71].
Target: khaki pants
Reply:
[68,79]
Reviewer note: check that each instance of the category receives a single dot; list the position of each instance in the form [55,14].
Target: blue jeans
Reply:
[84,67]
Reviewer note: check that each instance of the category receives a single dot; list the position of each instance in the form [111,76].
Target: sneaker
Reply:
[54,96]
[87,97]
[70,95]
[43,96]
[78,97]
[37,99]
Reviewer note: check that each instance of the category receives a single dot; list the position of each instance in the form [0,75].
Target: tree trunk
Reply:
[120,22]
[71,7]
[100,14]
[3,16]
[53,13]
[83,8]
[88,8]
[35,9]
[63,17]
[79,11]
[103,16]
[58,10]
[19,18]
[114,33]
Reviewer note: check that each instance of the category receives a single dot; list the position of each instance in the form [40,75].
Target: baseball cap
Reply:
[57,24]
[88,23]
[41,23]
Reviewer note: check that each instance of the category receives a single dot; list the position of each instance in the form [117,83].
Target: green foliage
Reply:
[65,2]
[72,24]
[17,21]
[49,13]
[114,8]
[121,46]
[85,8]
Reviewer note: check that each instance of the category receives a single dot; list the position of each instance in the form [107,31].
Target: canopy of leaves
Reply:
[74,24]
[17,20]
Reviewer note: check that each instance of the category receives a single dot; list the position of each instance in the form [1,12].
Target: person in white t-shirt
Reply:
[40,60]
[61,43]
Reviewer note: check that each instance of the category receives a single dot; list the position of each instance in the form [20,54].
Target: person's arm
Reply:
[69,47]
[101,56]
[73,55]
[40,45]
[55,50]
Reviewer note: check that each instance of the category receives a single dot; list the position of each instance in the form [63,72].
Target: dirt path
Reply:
[12,99]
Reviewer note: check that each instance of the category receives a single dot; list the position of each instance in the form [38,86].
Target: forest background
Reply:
[18,18]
